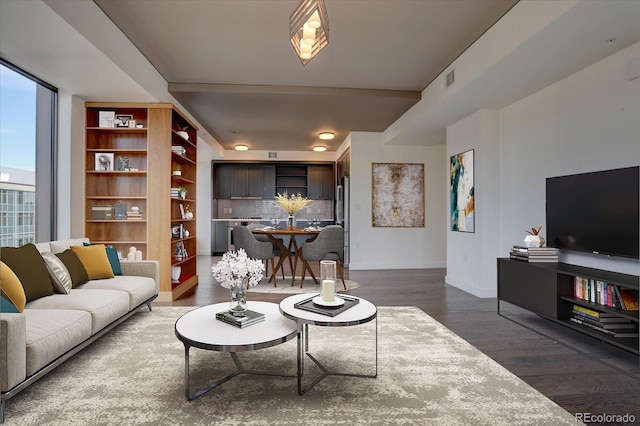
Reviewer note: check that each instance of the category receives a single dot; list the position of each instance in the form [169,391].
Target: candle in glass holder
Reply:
[328,280]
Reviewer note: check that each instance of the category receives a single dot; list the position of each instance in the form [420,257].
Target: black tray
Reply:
[332,311]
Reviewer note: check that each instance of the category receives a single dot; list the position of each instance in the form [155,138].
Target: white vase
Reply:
[188,215]
[183,134]
[534,241]
[175,273]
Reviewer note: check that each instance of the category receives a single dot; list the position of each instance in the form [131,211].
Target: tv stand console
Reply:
[547,289]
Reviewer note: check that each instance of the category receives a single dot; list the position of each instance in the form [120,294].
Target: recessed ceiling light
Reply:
[319,148]
[326,136]
[241,148]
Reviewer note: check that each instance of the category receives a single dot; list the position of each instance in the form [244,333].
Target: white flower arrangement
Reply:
[235,266]
[292,204]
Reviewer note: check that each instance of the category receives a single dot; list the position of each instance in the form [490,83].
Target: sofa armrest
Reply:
[13,350]
[142,268]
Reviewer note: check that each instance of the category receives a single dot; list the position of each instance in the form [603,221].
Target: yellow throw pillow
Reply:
[11,286]
[95,261]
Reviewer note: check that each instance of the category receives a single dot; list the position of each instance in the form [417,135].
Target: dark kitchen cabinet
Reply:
[320,182]
[223,175]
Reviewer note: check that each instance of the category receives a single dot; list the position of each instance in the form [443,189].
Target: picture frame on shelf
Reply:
[106,119]
[104,161]
[132,124]
[122,120]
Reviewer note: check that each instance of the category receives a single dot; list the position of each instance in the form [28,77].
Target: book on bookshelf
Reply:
[629,299]
[598,316]
[614,333]
[616,324]
[250,317]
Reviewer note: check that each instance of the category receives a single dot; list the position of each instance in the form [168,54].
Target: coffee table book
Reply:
[250,317]
[332,311]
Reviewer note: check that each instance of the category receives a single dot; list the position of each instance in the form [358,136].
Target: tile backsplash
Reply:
[267,209]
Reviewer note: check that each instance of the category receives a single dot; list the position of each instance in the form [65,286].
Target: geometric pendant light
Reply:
[309,29]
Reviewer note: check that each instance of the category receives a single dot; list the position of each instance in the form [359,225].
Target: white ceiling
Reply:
[271,101]
[231,65]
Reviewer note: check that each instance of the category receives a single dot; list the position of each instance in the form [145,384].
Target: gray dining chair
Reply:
[263,250]
[328,245]
[277,251]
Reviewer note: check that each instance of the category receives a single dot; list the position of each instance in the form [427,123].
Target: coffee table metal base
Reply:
[239,370]
[303,350]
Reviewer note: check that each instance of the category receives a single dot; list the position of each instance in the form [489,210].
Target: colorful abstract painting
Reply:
[462,192]
[398,195]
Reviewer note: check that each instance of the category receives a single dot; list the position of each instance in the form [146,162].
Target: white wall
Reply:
[471,257]
[587,122]
[396,248]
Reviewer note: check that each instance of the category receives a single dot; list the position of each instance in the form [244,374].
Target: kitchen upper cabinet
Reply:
[223,175]
[244,181]
[320,182]
[269,181]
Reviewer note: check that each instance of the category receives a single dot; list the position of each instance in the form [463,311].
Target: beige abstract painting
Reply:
[398,195]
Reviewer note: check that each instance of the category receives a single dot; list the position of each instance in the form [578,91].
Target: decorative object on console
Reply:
[292,205]
[397,195]
[462,197]
[534,239]
[238,272]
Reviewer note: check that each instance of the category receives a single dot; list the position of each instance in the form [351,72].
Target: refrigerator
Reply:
[342,214]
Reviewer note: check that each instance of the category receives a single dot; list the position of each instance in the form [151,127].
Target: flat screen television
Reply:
[595,212]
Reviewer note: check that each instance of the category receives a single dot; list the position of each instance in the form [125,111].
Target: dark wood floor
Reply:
[579,373]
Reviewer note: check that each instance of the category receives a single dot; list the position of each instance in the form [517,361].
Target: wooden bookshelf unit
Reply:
[547,289]
[128,177]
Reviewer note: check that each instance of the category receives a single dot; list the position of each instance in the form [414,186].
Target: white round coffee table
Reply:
[200,329]
[360,313]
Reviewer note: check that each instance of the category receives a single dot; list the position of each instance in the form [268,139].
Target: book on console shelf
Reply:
[628,298]
[598,316]
[250,317]
[534,254]
[616,324]
[596,291]
[612,333]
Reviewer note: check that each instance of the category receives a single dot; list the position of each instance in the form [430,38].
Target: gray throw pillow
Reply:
[58,272]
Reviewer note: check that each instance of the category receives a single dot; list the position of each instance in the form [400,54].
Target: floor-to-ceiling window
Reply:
[27,154]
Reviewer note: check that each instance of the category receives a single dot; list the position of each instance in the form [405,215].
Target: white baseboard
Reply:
[366,266]
[471,288]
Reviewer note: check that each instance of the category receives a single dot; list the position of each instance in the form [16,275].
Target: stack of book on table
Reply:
[534,254]
[608,323]
[250,317]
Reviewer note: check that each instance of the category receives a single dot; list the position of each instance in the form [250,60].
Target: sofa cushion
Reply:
[12,289]
[52,332]
[62,245]
[58,272]
[78,274]
[139,289]
[114,260]
[95,261]
[105,306]
[30,268]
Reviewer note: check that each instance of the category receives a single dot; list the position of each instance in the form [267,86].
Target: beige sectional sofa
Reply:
[53,328]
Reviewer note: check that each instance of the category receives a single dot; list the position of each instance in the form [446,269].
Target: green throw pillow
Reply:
[30,269]
[76,269]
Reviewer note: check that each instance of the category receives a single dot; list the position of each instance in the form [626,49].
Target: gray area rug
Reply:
[285,287]
[426,375]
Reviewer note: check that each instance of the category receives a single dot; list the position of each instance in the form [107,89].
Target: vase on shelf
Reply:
[534,241]
[291,222]
[238,290]
[175,273]
[183,134]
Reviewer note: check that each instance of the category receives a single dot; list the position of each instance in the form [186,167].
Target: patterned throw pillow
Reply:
[12,290]
[59,273]
[95,261]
